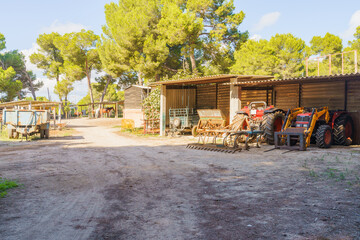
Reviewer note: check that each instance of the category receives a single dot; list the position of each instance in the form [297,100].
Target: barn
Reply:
[232,92]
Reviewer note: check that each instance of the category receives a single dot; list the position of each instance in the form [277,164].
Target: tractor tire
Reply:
[343,130]
[324,136]
[272,123]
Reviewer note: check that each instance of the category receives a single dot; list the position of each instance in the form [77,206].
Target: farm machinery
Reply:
[26,122]
[318,125]
[254,123]
[182,119]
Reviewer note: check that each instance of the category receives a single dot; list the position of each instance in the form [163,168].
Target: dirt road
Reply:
[101,185]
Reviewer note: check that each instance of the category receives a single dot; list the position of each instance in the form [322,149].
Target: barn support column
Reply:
[162,110]
[235,104]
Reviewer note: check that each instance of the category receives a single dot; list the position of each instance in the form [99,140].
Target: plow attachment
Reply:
[232,142]
[213,148]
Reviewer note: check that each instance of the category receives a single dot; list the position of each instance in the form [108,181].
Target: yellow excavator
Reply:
[324,127]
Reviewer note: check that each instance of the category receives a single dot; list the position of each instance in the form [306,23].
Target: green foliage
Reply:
[2,42]
[6,184]
[63,88]
[151,104]
[326,45]
[281,57]
[16,60]
[8,84]
[160,39]
[80,55]
[48,56]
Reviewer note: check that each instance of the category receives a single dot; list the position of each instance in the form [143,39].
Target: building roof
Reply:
[138,86]
[23,103]
[223,78]
[269,82]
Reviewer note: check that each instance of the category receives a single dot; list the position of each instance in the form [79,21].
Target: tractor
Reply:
[319,125]
[262,117]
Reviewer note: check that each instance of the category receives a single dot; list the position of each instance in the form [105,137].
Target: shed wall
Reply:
[353,97]
[179,98]
[331,94]
[133,98]
[206,96]
[253,95]
[223,100]
[287,96]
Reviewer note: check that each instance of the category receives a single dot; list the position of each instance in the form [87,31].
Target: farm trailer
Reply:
[26,122]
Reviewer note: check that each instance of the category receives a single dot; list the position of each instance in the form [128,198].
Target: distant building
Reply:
[134,96]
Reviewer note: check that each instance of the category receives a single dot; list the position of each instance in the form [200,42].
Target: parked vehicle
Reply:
[26,122]
[182,119]
[266,118]
[321,126]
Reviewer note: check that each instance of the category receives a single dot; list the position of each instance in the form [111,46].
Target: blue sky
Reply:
[23,20]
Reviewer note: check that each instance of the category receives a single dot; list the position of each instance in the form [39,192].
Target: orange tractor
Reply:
[320,126]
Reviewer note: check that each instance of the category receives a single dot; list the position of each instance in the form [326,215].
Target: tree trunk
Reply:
[139,78]
[105,89]
[193,62]
[88,75]
[31,86]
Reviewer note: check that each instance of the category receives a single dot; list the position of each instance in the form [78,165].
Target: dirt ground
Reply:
[98,184]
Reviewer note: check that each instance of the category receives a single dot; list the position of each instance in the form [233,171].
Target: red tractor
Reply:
[267,118]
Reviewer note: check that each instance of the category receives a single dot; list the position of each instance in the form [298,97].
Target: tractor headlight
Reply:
[305,125]
[298,125]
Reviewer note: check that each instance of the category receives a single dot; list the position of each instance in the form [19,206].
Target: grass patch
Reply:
[6,184]
[139,132]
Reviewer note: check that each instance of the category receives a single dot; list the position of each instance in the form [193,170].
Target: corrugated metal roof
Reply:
[297,80]
[212,79]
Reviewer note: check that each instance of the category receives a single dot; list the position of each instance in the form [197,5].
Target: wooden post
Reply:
[342,63]
[54,116]
[307,66]
[59,113]
[234,99]
[116,110]
[163,110]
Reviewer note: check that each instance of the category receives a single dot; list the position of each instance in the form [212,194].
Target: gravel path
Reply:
[102,185]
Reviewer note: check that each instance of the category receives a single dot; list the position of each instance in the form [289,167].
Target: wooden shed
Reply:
[232,92]
[134,96]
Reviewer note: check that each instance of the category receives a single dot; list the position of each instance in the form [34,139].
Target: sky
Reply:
[23,21]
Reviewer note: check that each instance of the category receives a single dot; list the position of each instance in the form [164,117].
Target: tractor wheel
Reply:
[272,123]
[324,136]
[343,130]
[194,131]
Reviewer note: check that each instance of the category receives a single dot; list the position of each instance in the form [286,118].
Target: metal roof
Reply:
[138,86]
[322,78]
[23,103]
[212,79]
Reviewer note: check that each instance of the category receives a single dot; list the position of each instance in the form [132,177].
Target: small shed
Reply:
[134,96]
